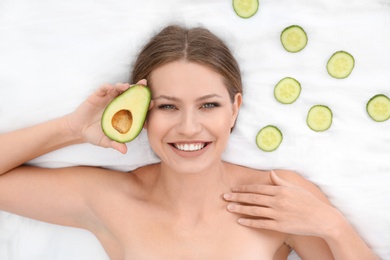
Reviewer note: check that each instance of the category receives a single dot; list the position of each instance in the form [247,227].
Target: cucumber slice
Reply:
[269,138]
[293,38]
[245,8]
[319,118]
[340,64]
[287,90]
[378,108]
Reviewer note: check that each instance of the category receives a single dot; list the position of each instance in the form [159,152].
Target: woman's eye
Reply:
[210,105]
[166,107]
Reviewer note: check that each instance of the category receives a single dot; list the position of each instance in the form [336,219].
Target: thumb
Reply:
[122,148]
[277,181]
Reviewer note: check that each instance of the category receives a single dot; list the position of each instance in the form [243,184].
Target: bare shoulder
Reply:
[293,177]
[242,175]
[300,181]
[245,175]
[257,176]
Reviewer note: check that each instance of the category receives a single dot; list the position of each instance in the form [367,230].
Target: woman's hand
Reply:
[84,122]
[282,207]
[302,211]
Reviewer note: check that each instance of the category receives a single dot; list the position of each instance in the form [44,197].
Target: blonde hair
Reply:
[197,45]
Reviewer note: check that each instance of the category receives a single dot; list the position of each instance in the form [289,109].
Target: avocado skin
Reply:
[135,100]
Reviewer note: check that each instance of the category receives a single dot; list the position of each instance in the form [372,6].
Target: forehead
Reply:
[183,77]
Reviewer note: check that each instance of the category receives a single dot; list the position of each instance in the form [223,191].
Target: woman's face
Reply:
[190,122]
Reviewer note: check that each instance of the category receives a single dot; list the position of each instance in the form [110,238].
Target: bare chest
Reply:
[158,235]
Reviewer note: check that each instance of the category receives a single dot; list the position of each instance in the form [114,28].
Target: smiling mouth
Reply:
[189,147]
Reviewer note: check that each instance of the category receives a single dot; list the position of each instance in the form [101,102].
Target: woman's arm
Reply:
[23,145]
[327,223]
[55,195]
[83,125]
[295,206]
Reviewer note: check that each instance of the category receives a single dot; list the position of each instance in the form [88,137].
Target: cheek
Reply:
[220,124]
[153,132]
[152,123]
[157,126]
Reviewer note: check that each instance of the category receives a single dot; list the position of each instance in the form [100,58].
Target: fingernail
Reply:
[227,196]
[230,207]
[241,221]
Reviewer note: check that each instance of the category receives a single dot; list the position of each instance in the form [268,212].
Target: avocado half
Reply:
[124,117]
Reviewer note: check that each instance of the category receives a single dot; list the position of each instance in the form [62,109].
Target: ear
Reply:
[236,107]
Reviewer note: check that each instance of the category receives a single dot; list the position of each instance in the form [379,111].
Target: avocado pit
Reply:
[122,121]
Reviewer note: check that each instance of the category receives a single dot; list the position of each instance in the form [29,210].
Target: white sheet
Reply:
[53,54]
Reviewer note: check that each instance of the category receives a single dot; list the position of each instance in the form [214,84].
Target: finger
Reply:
[108,143]
[253,211]
[104,89]
[268,224]
[256,188]
[142,82]
[276,180]
[151,105]
[122,87]
[122,148]
[249,198]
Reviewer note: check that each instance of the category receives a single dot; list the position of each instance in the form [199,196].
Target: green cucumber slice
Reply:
[378,108]
[245,8]
[269,138]
[319,118]
[293,38]
[340,64]
[287,90]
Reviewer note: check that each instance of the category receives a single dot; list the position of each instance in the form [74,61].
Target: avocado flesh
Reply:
[124,117]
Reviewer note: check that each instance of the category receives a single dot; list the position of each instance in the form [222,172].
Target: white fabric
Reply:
[53,54]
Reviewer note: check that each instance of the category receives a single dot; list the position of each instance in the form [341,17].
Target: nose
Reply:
[189,124]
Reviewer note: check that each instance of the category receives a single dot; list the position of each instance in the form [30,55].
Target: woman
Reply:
[192,204]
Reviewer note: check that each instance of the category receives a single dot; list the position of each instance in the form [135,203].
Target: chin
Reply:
[191,168]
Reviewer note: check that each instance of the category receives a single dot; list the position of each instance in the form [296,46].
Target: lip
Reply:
[194,144]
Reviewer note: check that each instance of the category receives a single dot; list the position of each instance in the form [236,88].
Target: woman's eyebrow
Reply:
[167,97]
[208,97]
[172,98]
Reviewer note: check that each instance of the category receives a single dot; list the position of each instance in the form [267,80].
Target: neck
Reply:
[189,192]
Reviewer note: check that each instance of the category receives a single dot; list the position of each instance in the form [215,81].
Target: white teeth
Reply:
[190,147]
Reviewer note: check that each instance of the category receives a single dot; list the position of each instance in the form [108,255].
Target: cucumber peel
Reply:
[378,108]
[269,138]
[319,118]
[245,8]
[287,90]
[340,64]
[293,38]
